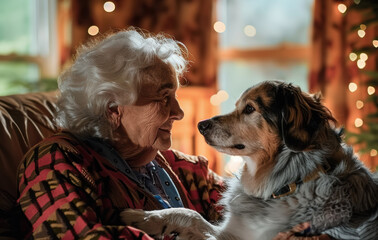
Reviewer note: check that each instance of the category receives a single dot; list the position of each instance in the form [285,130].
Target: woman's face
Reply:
[148,122]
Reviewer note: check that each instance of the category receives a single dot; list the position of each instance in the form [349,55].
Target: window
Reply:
[28,55]
[262,40]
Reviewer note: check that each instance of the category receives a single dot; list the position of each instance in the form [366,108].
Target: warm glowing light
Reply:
[359,104]
[342,8]
[361,64]
[371,90]
[361,33]
[375,43]
[353,56]
[250,31]
[109,6]
[373,153]
[363,27]
[214,100]
[93,30]
[218,98]
[358,122]
[352,87]
[219,27]
[223,95]
[363,56]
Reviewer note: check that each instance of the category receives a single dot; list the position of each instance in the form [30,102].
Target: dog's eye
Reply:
[248,109]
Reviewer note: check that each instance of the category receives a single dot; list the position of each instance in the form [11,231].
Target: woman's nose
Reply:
[176,111]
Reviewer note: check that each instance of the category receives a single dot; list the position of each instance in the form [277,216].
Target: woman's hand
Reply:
[300,228]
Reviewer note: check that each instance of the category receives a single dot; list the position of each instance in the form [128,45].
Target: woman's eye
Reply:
[248,109]
[165,99]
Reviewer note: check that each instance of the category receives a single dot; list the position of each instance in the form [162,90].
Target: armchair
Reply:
[25,119]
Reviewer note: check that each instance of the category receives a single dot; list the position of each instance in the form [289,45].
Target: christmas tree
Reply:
[367,137]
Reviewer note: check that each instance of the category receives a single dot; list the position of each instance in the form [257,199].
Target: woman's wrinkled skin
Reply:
[145,127]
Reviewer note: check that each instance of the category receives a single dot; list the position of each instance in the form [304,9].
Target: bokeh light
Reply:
[375,43]
[373,153]
[361,63]
[363,56]
[371,90]
[342,8]
[109,6]
[361,33]
[219,27]
[93,30]
[250,31]
[352,87]
[359,104]
[219,97]
[358,122]
[353,56]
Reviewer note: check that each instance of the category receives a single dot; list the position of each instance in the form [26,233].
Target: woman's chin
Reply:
[162,144]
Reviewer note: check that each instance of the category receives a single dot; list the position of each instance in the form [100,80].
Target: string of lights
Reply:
[360,59]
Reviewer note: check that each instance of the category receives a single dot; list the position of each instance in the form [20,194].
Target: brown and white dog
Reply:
[296,170]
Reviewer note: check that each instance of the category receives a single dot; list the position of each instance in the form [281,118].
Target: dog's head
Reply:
[268,116]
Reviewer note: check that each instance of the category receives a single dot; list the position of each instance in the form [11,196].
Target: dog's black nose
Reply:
[203,126]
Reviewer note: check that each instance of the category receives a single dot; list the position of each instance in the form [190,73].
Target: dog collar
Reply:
[290,188]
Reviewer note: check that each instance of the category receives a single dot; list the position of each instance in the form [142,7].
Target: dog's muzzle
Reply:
[204,126]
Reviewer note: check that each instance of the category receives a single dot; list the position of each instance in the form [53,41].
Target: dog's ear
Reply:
[302,116]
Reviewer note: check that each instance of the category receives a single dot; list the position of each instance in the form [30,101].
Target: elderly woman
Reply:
[116,108]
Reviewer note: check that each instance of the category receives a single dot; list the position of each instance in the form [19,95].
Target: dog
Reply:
[297,169]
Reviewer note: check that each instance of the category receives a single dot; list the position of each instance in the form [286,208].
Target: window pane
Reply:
[24,27]
[271,22]
[16,77]
[236,76]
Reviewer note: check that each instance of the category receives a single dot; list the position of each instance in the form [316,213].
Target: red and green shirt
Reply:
[69,191]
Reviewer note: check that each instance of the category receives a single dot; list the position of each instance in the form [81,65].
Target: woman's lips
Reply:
[165,130]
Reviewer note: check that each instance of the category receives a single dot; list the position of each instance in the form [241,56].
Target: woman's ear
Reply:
[114,113]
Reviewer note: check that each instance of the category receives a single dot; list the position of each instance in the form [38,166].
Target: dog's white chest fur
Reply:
[252,166]
[251,219]
[243,228]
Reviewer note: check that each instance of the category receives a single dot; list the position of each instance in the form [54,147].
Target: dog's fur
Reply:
[284,135]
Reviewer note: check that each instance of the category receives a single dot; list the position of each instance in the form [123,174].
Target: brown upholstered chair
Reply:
[25,119]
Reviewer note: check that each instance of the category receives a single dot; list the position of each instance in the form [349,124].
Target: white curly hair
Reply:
[108,73]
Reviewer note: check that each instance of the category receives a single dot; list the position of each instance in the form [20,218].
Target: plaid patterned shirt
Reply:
[69,191]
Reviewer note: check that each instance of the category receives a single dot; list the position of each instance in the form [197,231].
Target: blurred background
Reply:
[320,45]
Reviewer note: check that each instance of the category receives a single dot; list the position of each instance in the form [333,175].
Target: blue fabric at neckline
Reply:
[116,160]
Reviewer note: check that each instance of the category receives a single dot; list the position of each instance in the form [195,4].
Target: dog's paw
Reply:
[132,217]
[179,222]
[149,223]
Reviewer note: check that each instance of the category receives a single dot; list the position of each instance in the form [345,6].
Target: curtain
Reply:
[331,67]
[328,68]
